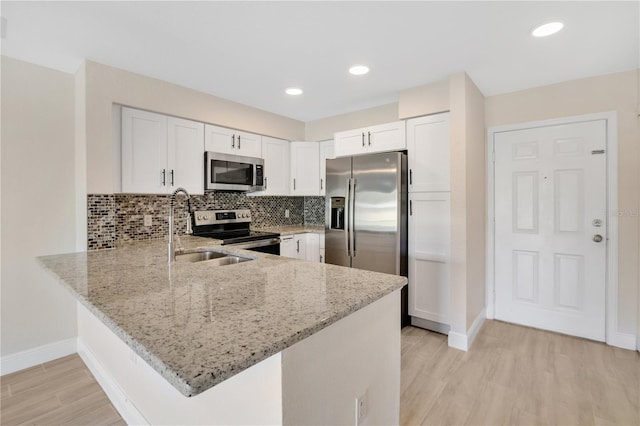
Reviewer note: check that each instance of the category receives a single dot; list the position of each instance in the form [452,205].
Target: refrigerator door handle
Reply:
[353,218]
[347,207]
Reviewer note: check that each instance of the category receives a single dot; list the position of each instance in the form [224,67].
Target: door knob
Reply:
[597,238]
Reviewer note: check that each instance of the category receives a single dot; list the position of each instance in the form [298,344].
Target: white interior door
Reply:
[550,208]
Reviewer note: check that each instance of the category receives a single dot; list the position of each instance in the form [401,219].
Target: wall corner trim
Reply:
[39,355]
[464,341]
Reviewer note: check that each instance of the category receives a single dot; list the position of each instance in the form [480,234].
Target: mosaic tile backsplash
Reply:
[114,218]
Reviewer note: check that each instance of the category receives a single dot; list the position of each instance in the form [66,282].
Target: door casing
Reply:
[611,304]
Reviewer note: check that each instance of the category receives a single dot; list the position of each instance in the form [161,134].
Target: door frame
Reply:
[612,337]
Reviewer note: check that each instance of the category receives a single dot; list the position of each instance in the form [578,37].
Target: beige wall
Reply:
[323,129]
[105,86]
[423,100]
[37,203]
[614,92]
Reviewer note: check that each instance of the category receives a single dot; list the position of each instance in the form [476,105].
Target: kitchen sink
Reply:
[211,256]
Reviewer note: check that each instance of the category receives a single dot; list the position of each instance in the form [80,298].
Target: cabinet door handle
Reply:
[298,246]
[238,141]
[410,208]
[265,184]
[369,138]
[362,138]
[171,177]
[233,141]
[321,184]
[294,184]
[164,177]
[410,177]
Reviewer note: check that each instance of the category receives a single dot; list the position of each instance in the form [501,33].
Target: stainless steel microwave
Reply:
[226,172]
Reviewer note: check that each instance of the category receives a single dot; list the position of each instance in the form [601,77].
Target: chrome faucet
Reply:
[171,249]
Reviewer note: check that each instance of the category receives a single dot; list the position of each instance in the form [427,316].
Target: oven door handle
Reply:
[255,244]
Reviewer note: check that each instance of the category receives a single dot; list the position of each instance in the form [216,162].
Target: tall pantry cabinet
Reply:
[429,221]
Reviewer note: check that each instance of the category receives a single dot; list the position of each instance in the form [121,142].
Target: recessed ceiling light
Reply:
[359,69]
[293,91]
[547,29]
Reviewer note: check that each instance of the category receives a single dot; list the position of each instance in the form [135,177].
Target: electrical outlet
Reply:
[362,407]
[148,221]
[286,213]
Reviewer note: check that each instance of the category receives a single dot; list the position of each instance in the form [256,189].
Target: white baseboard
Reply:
[458,341]
[118,398]
[622,340]
[430,325]
[45,353]
[464,341]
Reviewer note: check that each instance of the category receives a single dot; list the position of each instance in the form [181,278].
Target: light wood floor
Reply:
[517,375]
[60,392]
[511,375]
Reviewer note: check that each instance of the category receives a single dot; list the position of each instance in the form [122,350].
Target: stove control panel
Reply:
[214,217]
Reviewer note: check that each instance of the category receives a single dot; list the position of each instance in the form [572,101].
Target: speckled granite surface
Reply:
[295,229]
[198,324]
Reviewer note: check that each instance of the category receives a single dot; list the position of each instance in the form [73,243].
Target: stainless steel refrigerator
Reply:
[366,213]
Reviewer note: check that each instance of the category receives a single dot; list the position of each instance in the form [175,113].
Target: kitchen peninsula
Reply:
[273,340]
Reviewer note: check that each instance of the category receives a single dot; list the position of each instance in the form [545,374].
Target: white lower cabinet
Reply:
[300,243]
[321,248]
[302,246]
[429,248]
[312,247]
[287,246]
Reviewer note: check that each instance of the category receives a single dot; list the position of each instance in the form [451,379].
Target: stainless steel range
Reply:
[233,228]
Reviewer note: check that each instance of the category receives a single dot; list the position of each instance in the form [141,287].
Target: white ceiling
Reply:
[250,52]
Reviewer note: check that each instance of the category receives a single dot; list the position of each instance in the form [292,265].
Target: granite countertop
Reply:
[198,324]
[294,229]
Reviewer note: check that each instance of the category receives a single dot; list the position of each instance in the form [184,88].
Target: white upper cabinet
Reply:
[186,155]
[382,138]
[144,152]
[326,152]
[428,153]
[160,153]
[275,153]
[228,141]
[305,168]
